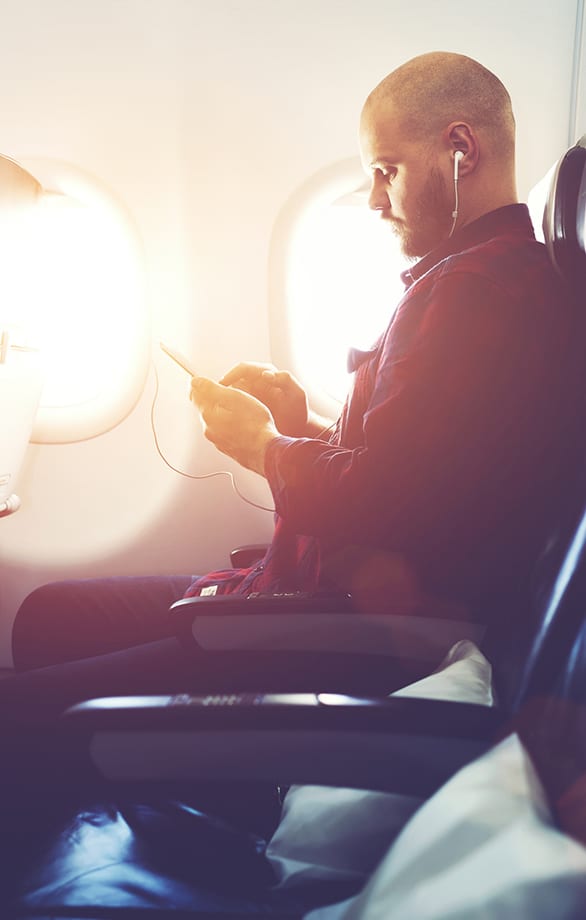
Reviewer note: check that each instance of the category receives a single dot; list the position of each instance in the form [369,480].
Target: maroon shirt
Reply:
[447,462]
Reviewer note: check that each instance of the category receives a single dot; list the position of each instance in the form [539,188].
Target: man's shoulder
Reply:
[518,265]
[493,254]
[505,282]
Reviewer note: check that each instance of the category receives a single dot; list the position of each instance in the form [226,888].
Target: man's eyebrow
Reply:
[382,161]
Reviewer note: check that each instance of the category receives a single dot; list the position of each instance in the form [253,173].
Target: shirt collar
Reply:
[510,219]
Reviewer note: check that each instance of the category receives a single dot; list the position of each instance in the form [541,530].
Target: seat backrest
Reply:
[558,590]
[564,218]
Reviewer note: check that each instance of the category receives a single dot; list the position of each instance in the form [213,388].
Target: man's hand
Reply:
[237,423]
[280,392]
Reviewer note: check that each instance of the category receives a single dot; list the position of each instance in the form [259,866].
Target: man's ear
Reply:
[460,138]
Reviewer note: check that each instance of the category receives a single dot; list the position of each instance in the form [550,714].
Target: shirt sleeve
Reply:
[455,424]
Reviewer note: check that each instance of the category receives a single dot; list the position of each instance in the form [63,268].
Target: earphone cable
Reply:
[194,475]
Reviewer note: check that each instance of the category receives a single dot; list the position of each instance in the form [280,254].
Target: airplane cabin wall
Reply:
[203,117]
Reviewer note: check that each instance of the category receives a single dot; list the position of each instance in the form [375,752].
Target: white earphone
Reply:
[457,157]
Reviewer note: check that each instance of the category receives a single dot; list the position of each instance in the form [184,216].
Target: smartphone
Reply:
[178,358]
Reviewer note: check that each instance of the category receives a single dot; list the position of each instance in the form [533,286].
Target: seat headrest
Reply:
[564,218]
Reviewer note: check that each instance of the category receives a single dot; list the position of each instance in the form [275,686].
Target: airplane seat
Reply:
[241,557]
[144,849]
[564,218]
[165,858]
[533,650]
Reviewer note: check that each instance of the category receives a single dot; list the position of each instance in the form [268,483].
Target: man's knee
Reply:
[80,618]
[29,639]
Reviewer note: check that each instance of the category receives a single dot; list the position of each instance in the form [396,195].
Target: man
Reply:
[436,486]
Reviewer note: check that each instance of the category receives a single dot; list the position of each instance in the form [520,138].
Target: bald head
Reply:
[437,137]
[433,90]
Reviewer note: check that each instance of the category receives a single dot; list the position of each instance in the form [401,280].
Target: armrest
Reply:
[315,623]
[395,745]
[241,557]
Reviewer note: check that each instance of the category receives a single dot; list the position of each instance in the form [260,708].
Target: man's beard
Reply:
[431,221]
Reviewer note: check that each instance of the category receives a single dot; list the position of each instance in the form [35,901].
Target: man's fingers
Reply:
[238,424]
[276,377]
[204,391]
[245,371]
[234,374]
[241,384]
[208,395]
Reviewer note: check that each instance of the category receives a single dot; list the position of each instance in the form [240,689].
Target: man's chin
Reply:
[412,247]
[397,228]
[407,247]
[416,248]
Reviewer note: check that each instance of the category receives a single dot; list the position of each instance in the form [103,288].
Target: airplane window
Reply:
[339,272]
[76,295]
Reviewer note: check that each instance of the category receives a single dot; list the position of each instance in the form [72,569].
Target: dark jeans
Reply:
[73,641]
[76,640]
[68,620]
[95,637]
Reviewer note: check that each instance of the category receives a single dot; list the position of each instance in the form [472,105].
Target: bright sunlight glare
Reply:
[73,284]
[343,286]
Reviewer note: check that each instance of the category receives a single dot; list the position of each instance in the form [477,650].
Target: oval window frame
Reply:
[342,182]
[80,421]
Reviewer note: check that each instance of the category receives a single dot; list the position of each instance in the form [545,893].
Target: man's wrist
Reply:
[318,425]
[265,439]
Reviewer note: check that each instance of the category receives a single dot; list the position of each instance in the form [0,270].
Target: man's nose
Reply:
[378,200]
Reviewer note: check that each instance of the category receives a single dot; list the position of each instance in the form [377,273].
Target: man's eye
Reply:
[389,174]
